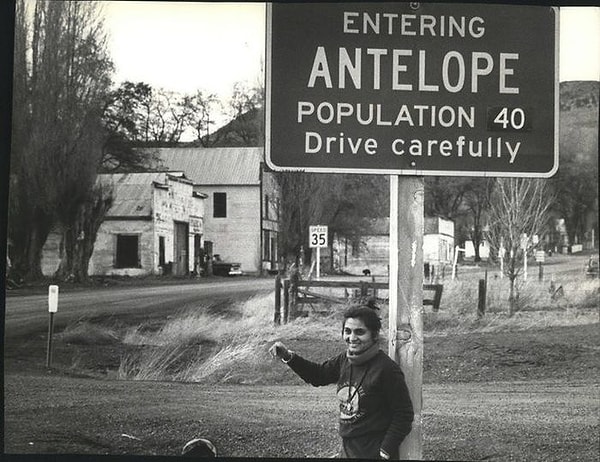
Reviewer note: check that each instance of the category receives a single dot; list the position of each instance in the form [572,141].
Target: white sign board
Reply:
[540,256]
[317,236]
[52,299]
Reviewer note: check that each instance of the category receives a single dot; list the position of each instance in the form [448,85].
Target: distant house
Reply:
[372,250]
[155,225]
[242,208]
[438,241]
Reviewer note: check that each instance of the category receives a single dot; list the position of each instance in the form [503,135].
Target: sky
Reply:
[184,47]
[209,46]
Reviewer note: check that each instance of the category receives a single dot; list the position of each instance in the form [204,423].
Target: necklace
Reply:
[348,406]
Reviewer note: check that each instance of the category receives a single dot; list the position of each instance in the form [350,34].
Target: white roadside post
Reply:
[52,308]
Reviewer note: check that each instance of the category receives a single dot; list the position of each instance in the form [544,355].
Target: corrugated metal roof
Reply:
[132,192]
[215,166]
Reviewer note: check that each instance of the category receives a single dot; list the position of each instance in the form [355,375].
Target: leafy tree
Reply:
[61,78]
[576,183]
[518,208]
[125,117]
[576,186]
[444,195]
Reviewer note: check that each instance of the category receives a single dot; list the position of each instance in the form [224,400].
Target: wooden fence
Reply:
[297,292]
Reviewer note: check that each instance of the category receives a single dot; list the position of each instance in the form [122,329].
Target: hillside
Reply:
[578,133]
[578,122]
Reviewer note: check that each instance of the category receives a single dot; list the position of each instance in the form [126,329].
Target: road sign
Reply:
[412,88]
[52,299]
[540,256]
[317,236]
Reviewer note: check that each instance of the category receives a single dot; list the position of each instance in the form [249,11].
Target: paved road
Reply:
[28,314]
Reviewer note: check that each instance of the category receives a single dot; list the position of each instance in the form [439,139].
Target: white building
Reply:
[155,225]
[241,223]
[372,252]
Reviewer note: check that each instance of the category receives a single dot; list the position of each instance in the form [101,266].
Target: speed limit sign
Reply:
[317,236]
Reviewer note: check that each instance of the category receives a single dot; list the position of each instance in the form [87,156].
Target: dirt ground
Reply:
[493,396]
[529,395]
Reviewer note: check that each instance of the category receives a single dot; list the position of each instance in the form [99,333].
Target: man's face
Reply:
[357,336]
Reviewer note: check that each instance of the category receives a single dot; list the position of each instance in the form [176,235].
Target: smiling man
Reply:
[376,412]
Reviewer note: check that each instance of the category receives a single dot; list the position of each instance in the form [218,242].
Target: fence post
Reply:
[286,300]
[437,297]
[277,314]
[363,289]
[375,291]
[293,294]
[481,301]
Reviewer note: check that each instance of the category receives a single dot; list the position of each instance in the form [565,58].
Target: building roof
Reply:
[214,166]
[132,192]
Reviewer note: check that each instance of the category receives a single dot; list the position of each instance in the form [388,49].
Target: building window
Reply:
[128,251]
[161,250]
[219,205]
[267,205]
[266,245]
[269,245]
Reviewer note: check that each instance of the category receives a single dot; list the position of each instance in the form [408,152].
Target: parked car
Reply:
[591,269]
[223,268]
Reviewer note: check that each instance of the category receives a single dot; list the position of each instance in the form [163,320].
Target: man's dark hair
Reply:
[366,315]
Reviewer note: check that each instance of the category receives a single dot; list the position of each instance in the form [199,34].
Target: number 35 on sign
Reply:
[317,236]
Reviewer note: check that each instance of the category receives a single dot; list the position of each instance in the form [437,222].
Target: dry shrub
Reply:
[208,348]
[87,333]
[175,351]
[157,362]
[221,364]
[537,308]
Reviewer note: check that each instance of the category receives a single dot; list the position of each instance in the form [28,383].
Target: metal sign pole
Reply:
[52,308]
[49,346]
[318,262]
[406,296]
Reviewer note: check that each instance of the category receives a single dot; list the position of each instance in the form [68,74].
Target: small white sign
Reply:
[52,299]
[317,236]
[524,241]
[540,256]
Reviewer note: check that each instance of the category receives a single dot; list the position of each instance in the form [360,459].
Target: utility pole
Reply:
[406,296]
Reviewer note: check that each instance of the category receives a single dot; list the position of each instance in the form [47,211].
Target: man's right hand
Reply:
[279,350]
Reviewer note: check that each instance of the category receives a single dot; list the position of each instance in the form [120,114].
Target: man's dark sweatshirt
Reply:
[373,396]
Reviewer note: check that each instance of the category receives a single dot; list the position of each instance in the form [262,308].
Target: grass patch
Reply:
[87,333]
[229,344]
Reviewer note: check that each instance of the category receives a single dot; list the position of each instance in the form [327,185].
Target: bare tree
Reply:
[345,203]
[298,208]
[476,202]
[246,106]
[62,75]
[518,211]
[203,109]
